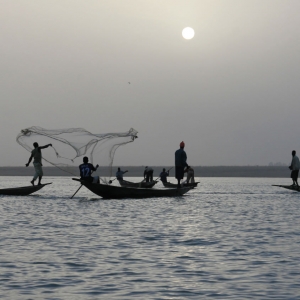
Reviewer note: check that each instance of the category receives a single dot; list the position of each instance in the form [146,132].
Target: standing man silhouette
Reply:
[180,163]
[295,166]
[119,174]
[36,155]
[148,174]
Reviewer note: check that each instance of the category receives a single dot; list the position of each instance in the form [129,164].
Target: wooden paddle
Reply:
[76,192]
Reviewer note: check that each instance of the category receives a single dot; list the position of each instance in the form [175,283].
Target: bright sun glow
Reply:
[188,33]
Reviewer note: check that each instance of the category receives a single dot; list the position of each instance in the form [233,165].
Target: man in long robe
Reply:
[180,163]
[294,167]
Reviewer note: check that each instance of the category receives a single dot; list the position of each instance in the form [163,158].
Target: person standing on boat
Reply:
[148,174]
[294,167]
[163,175]
[86,170]
[119,174]
[180,163]
[189,174]
[36,155]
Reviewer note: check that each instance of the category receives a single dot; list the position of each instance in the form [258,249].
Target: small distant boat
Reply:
[22,191]
[173,185]
[289,187]
[141,184]
[117,192]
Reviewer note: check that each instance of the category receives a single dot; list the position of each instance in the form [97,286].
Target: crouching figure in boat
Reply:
[189,175]
[163,175]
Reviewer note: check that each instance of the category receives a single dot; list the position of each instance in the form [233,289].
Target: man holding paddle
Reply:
[163,175]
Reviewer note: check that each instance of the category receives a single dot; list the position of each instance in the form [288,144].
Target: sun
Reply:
[188,33]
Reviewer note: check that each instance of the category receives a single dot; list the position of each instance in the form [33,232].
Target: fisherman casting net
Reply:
[69,146]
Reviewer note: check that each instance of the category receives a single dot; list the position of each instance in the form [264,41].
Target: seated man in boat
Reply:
[189,175]
[148,174]
[36,155]
[119,174]
[86,170]
[294,167]
[163,175]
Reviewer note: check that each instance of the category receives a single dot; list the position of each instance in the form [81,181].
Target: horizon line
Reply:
[159,166]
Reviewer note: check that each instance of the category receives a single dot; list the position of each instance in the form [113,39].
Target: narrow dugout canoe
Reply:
[174,185]
[141,184]
[118,192]
[289,187]
[22,191]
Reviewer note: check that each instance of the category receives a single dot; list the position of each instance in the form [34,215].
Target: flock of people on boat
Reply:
[181,167]
[86,168]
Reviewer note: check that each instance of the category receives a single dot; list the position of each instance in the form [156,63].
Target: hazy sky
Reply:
[231,93]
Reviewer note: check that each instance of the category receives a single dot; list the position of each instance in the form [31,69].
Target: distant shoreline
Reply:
[137,171]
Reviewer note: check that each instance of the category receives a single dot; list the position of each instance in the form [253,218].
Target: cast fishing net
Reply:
[69,146]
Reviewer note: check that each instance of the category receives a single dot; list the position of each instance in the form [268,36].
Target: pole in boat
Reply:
[76,192]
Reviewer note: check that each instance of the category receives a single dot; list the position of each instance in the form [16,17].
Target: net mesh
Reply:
[69,146]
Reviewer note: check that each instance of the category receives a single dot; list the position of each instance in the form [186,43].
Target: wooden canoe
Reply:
[117,192]
[174,185]
[141,184]
[22,191]
[289,187]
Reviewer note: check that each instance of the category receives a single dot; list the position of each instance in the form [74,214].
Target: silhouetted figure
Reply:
[163,175]
[36,155]
[189,174]
[86,170]
[180,163]
[119,174]
[148,174]
[295,166]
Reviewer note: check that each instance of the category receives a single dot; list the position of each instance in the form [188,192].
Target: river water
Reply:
[230,238]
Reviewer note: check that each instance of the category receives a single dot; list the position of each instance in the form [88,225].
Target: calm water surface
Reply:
[231,238]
